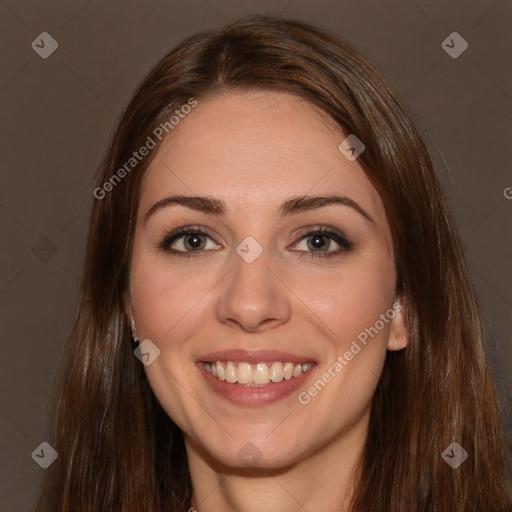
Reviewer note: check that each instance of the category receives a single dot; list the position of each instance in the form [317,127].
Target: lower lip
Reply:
[254,395]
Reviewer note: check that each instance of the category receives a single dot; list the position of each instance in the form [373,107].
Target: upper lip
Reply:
[254,356]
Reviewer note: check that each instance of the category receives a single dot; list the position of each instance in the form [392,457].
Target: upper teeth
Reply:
[260,373]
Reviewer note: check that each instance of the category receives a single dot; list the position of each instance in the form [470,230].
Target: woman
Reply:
[269,232]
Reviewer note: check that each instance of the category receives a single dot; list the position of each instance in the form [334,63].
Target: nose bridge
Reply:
[252,295]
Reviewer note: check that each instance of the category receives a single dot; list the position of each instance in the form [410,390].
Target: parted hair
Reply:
[119,450]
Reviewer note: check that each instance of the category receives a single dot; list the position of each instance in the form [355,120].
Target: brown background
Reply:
[57,115]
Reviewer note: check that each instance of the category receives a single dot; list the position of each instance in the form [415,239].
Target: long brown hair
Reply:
[119,450]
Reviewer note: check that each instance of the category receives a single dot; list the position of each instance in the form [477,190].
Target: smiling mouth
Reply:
[255,375]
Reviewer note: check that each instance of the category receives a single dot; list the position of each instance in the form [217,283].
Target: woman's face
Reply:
[255,286]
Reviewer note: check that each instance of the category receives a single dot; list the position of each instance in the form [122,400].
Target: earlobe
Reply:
[127,307]
[129,311]
[399,327]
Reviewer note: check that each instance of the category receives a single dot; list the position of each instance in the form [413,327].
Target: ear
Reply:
[398,326]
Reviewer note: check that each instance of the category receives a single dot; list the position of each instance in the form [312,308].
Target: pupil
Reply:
[318,242]
[196,241]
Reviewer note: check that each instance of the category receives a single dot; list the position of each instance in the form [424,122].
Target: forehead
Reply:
[254,150]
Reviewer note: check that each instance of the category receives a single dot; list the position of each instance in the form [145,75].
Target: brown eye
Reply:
[318,243]
[187,240]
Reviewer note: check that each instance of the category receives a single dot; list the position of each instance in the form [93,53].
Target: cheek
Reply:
[358,301]
[162,295]
[350,300]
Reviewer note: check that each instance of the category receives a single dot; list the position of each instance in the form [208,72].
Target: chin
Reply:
[252,452]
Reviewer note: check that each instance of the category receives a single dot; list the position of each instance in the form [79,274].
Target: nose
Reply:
[253,297]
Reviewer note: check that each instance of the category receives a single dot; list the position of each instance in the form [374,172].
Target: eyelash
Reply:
[322,231]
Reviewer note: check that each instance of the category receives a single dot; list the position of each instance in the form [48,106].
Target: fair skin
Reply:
[254,151]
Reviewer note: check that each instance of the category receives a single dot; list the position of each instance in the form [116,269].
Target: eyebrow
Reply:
[293,205]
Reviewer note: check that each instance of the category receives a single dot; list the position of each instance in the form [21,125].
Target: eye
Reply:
[187,240]
[318,242]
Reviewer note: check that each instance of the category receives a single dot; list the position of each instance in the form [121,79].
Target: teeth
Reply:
[244,373]
[220,371]
[306,367]
[231,374]
[288,371]
[255,374]
[261,374]
[276,372]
